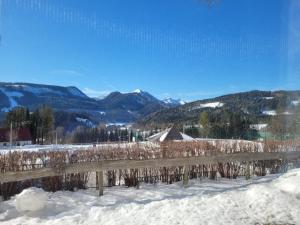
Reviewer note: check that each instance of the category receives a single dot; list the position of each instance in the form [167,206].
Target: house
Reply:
[170,134]
[20,137]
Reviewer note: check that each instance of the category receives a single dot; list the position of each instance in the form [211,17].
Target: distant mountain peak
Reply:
[171,101]
[137,91]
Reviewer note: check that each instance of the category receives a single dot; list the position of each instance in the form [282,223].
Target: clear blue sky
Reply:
[178,48]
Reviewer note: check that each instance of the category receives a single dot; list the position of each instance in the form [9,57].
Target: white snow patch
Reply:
[102,113]
[269,112]
[173,101]
[85,121]
[15,85]
[137,91]
[32,199]
[169,101]
[118,124]
[258,126]
[182,102]
[273,199]
[287,113]
[11,95]
[67,147]
[41,90]
[212,105]
[268,98]
[209,105]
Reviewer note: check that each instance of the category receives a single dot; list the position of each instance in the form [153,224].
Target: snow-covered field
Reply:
[273,199]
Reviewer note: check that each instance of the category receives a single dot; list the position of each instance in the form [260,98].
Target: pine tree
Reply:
[204,122]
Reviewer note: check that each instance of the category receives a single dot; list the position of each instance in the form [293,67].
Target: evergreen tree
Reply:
[42,124]
[19,117]
[204,122]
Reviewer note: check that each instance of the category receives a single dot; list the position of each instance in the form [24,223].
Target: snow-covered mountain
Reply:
[69,103]
[256,105]
[138,101]
[32,95]
[173,102]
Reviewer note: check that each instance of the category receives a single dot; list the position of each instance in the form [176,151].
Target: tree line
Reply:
[227,124]
[285,125]
[40,122]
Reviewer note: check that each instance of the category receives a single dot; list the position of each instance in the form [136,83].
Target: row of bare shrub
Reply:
[169,175]
[23,160]
[27,160]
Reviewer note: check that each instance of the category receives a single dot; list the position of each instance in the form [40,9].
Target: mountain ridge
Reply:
[256,105]
[140,107]
[117,107]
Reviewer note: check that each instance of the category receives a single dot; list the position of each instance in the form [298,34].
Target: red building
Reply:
[20,137]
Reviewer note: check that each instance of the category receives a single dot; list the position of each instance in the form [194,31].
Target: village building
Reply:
[20,137]
[170,134]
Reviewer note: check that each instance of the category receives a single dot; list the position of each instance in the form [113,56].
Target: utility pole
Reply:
[10,138]
[56,137]
[129,135]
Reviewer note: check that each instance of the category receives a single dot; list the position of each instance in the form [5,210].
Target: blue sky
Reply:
[172,48]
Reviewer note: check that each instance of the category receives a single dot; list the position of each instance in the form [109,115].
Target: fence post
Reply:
[97,185]
[248,175]
[100,182]
[185,176]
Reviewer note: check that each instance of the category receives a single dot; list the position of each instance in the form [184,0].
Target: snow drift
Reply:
[31,199]
[274,199]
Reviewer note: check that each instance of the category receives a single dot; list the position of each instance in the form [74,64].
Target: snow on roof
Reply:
[163,136]
[187,137]
[170,134]
[156,136]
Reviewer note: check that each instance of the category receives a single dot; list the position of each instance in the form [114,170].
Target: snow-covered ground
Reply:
[274,199]
[208,105]
[269,112]
[73,147]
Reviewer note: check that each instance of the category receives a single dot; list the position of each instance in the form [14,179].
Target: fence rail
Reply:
[140,164]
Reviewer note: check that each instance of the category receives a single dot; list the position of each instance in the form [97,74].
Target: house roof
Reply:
[23,134]
[170,134]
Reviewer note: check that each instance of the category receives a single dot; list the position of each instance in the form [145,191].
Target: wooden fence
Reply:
[105,165]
